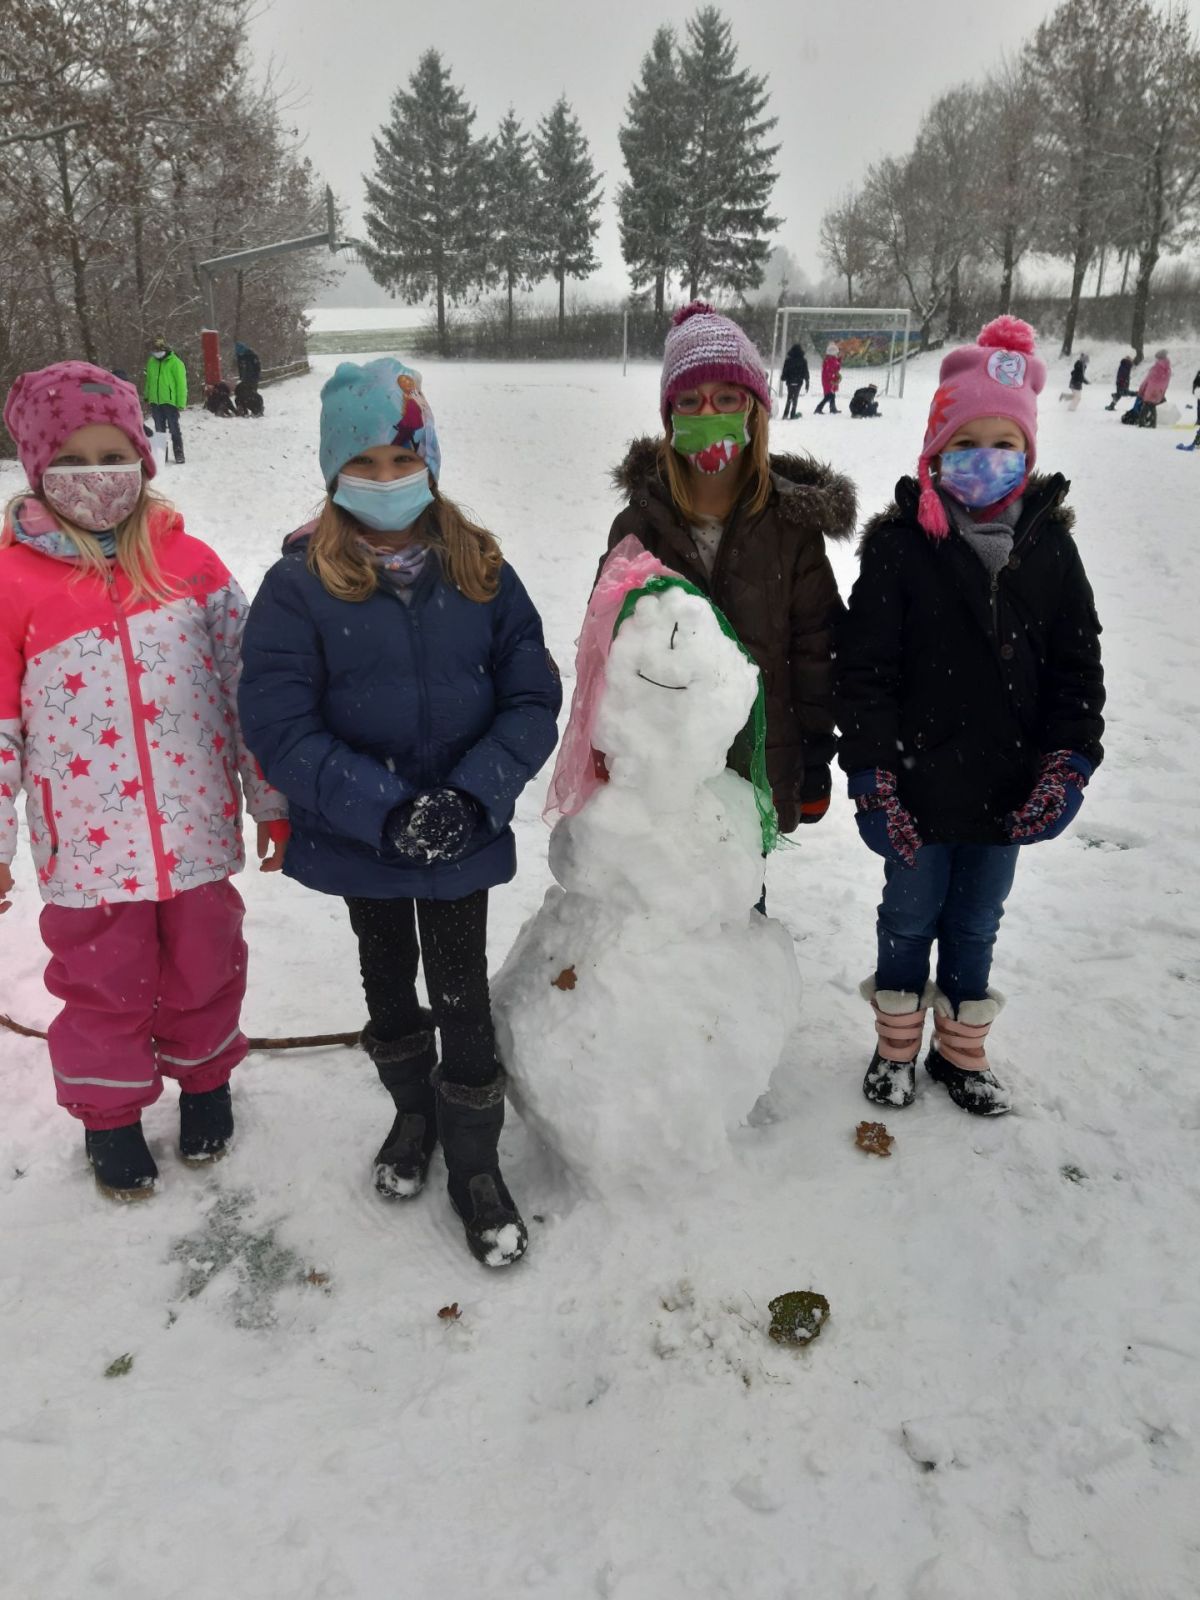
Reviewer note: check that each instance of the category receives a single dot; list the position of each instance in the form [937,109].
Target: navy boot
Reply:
[404,1067]
[205,1125]
[121,1161]
[469,1121]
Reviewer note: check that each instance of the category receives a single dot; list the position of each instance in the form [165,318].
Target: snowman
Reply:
[644,1007]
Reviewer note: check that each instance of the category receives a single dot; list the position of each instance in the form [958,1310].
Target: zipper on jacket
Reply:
[411,612]
[51,825]
[1035,523]
[137,705]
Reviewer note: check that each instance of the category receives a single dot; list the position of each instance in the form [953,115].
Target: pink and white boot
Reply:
[957,1058]
[891,1078]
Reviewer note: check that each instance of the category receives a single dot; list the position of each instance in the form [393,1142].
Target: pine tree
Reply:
[651,201]
[726,172]
[426,201]
[513,208]
[569,200]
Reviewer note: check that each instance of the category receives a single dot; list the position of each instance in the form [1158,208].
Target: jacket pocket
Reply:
[51,825]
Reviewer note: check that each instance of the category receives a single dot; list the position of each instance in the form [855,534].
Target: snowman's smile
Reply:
[680,688]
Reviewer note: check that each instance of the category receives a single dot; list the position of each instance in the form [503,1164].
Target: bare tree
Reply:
[1082,67]
[1160,154]
[847,245]
[1014,171]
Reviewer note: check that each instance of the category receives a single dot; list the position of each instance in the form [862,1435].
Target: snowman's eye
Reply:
[674,631]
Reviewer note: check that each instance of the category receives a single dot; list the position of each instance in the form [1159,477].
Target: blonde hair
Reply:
[470,556]
[135,546]
[754,467]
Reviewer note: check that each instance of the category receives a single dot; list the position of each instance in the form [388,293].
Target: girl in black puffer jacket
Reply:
[969,695]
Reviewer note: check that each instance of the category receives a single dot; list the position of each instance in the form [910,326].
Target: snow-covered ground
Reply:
[1006,1401]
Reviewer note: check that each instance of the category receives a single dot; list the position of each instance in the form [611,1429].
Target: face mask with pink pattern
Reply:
[95,498]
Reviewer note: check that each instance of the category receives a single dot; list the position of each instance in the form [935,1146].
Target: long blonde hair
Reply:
[470,556]
[754,467]
[135,546]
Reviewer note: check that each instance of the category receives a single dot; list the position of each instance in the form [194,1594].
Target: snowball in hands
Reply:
[684,998]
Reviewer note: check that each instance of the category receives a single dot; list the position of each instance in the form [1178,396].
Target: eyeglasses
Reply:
[692,402]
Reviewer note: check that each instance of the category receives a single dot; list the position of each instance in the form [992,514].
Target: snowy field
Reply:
[1005,1404]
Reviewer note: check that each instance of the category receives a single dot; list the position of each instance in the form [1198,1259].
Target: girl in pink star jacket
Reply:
[119,659]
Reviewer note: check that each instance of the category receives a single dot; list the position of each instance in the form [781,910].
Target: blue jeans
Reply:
[167,417]
[955,894]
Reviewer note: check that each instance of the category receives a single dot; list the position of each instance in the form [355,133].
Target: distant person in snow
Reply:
[1151,394]
[219,400]
[247,401]
[831,377]
[125,739]
[969,693]
[863,402]
[795,377]
[397,688]
[748,529]
[1124,373]
[165,392]
[249,367]
[1074,390]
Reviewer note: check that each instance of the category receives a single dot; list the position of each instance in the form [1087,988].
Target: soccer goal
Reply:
[866,336]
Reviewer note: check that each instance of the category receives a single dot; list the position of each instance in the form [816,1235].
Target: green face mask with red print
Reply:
[711,441]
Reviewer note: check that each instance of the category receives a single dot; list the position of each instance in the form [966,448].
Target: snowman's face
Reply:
[678,691]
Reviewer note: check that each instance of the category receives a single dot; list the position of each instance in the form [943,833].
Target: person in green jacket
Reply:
[165,392]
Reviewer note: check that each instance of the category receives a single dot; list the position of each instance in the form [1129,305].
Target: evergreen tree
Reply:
[653,138]
[569,200]
[426,201]
[726,172]
[513,208]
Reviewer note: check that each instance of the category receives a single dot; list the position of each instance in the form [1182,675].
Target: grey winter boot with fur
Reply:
[469,1122]
[405,1067]
[957,1059]
[891,1078]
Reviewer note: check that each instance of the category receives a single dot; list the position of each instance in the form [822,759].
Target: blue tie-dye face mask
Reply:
[981,477]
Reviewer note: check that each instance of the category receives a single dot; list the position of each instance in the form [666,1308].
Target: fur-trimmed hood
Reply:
[808,493]
[1044,491]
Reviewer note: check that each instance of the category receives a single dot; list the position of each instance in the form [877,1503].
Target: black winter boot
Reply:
[469,1122]
[121,1161]
[957,1058]
[404,1067]
[205,1125]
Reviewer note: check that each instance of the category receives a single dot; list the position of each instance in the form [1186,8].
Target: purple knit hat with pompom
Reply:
[702,346]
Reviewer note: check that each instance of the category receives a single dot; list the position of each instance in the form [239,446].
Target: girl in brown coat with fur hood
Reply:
[748,529]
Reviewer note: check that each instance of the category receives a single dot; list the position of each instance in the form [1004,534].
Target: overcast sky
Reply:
[849,79]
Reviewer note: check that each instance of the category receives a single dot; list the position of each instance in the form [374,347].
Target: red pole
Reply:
[210,342]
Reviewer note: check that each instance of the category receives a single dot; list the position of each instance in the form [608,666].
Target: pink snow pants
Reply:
[151,989]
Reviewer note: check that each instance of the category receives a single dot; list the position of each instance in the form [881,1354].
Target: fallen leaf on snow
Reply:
[874,1138]
[450,1313]
[566,979]
[119,1367]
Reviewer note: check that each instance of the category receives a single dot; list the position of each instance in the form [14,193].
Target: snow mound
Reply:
[643,1009]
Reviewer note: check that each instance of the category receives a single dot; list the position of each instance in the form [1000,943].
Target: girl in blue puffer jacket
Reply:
[397,689]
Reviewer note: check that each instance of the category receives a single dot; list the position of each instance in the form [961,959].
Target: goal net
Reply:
[866,336]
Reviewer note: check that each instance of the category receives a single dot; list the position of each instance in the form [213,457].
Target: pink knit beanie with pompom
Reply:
[1000,375]
[702,346]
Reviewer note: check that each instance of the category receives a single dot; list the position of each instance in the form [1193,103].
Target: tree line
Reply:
[134,143]
[1085,148]
[451,213]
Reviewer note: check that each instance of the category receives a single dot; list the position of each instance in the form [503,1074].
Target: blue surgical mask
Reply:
[386,507]
[981,477]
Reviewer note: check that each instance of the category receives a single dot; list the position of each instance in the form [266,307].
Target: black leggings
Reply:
[453,943]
